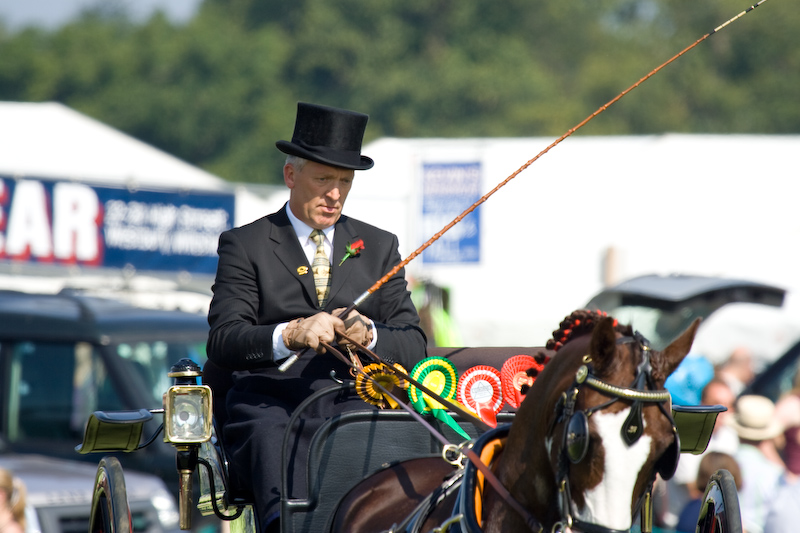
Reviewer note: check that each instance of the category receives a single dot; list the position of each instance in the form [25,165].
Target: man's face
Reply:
[317,192]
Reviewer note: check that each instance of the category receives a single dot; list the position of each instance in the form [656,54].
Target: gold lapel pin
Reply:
[302,270]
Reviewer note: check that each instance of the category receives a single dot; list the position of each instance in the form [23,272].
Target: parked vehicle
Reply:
[59,495]
[64,356]
[660,307]
[67,355]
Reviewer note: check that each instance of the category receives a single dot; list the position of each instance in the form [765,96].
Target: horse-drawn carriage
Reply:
[581,453]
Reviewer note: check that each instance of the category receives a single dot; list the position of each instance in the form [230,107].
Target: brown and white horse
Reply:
[581,454]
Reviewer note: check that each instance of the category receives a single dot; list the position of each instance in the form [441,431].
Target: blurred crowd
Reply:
[756,440]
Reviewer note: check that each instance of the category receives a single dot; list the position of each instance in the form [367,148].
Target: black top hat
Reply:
[329,136]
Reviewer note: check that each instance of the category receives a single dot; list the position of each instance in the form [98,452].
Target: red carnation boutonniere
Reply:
[353,250]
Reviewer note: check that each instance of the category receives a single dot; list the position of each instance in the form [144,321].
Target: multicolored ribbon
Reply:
[370,393]
[514,374]
[480,388]
[440,376]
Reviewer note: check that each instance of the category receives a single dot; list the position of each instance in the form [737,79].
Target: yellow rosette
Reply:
[368,391]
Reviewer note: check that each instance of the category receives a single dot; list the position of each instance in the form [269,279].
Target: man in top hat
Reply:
[280,283]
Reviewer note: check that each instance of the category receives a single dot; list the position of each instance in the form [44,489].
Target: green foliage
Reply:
[220,90]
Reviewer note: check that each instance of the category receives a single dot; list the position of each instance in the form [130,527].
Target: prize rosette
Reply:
[514,377]
[368,391]
[481,389]
[440,376]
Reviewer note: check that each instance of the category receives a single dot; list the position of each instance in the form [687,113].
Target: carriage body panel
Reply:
[353,446]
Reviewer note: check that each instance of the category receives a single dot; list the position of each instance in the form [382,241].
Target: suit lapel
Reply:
[344,235]
[290,254]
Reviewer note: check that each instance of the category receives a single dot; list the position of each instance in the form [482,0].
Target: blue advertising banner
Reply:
[71,223]
[447,190]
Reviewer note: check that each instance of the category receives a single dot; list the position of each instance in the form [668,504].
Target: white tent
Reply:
[50,140]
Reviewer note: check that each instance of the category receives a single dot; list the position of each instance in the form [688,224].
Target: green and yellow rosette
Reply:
[440,376]
[368,391]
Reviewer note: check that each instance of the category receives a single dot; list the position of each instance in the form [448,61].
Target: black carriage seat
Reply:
[215,466]
[350,447]
[220,383]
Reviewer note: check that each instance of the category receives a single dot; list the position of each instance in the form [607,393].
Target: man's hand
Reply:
[356,326]
[309,332]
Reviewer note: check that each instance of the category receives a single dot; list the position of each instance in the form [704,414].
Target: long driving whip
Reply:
[377,285]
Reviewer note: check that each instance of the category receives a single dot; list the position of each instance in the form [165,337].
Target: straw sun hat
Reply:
[755,418]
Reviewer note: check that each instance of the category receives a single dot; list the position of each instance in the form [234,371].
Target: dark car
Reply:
[64,356]
[661,307]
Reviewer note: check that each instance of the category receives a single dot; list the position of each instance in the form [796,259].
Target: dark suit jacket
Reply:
[259,284]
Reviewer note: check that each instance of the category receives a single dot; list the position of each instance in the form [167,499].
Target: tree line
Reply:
[220,89]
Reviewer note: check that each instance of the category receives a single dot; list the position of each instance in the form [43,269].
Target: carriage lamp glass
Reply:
[187,414]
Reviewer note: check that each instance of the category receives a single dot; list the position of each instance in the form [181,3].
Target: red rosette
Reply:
[480,388]
[514,376]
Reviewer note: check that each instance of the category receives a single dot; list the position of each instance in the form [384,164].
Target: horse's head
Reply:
[595,427]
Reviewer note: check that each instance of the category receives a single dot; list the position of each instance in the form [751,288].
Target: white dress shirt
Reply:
[303,232]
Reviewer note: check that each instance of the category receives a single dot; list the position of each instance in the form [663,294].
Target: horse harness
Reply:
[575,443]
[575,438]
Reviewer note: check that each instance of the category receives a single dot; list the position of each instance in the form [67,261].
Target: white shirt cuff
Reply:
[279,349]
[374,335]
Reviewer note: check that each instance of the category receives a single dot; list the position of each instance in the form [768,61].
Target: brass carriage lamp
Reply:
[187,424]
[187,406]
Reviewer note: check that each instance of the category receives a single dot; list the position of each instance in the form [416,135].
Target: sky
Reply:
[51,14]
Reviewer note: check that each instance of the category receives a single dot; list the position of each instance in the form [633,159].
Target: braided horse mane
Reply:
[580,322]
[576,324]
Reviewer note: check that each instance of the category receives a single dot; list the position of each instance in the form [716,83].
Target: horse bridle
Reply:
[575,437]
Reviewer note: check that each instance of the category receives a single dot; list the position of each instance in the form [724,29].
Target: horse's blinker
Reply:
[577,441]
[668,463]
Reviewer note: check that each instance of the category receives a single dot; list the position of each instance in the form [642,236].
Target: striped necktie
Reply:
[321,267]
